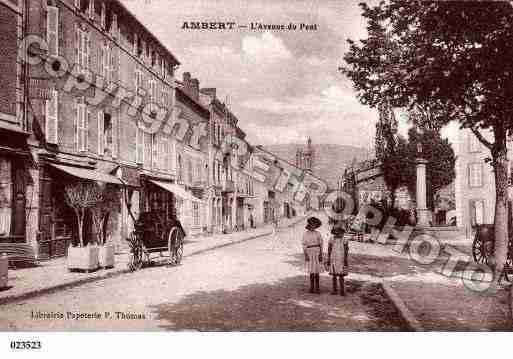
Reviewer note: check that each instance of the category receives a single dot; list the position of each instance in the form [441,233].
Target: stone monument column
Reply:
[422,211]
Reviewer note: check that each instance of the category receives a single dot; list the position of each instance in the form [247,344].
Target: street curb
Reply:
[79,282]
[399,304]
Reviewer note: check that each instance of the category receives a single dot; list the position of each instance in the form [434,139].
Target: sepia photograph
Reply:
[261,166]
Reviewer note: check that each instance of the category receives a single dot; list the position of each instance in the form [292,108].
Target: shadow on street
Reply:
[284,305]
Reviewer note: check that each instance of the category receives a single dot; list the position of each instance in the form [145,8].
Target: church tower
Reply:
[305,158]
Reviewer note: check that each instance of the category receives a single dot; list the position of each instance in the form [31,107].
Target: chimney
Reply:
[195,89]
[186,79]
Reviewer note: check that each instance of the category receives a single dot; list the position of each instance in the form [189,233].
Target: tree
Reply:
[107,200]
[389,149]
[451,58]
[393,164]
[81,196]
[438,152]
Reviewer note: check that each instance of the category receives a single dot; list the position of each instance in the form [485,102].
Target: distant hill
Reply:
[330,160]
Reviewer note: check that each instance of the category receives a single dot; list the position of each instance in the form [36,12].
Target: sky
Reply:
[282,85]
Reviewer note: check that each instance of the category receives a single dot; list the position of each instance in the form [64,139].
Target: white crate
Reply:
[4,271]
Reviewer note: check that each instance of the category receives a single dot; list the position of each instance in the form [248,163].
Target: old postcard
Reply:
[261,166]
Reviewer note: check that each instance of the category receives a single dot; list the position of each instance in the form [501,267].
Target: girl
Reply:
[312,248]
[338,250]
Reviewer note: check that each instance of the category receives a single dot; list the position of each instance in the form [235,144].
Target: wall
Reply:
[463,192]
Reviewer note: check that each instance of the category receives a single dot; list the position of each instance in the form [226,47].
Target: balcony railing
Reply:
[198,184]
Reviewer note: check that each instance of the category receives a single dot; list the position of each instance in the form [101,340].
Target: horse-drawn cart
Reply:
[483,248]
[154,235]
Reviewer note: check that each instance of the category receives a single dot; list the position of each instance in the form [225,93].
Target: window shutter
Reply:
[78,127]
[88,118]
[100,60]
[472,213]
[101,130]
[154,145]
[52,111]
[91,9]
[114,148]
[139,140]
[87,52]
[112,64]
[103,15]
[106,62]
[52,30]
[77,45]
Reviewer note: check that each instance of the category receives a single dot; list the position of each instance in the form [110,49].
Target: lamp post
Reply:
[422,210]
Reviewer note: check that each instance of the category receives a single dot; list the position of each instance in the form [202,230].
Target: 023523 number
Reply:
[25,345]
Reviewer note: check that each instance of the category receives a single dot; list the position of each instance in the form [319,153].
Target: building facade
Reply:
[192,154]
[474,182]
[15,159]
[97,50]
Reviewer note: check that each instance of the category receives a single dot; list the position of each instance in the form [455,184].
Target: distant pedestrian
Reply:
[251,220]
[312,249]
[338,251]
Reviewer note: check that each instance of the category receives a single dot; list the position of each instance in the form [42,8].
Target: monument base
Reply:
[423,217]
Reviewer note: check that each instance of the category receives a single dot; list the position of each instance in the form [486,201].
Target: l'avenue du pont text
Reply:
[253,26]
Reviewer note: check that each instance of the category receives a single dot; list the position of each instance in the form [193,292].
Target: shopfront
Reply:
[58,228]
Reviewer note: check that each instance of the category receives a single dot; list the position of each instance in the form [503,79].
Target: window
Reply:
[180,169]
[153,95]
[138,80]
[52,117]
[52,30]
[195,214]
[104,61]
[155,150]
[476,175]
[165,96]
[82,47]
[474,144]
[189,171]
[112,66]
[90,9]
[148,149]
[82,125]
[105,138]
[103,16]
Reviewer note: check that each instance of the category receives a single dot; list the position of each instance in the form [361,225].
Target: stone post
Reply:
[422,211]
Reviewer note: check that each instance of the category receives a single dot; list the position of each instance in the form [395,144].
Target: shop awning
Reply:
[87,174]
[177,190]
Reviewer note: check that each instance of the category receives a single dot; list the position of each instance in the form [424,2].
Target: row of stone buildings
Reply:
[80,108]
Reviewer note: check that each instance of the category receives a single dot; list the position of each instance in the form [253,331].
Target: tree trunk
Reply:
[80,217]
[500,161]
[392,198]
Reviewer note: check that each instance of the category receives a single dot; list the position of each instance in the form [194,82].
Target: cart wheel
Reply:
[478,250]
[179,248]
[171,239]
[508,267]
[135,260]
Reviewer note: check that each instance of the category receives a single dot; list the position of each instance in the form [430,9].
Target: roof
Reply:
[153,37]
[206,113]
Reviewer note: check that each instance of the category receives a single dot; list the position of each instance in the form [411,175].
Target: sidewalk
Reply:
[54,275]
[427,300]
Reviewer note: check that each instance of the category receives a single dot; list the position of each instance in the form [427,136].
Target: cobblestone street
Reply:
[258,285]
